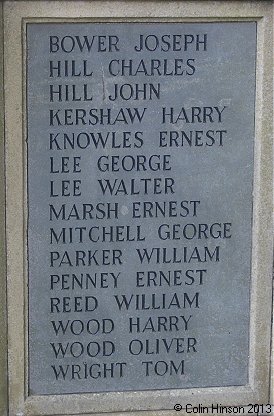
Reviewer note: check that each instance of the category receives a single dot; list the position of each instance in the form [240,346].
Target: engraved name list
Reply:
[140,168]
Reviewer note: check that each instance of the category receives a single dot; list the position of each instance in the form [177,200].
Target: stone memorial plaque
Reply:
[140,176]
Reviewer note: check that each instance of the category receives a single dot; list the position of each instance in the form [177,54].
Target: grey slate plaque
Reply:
[140,169]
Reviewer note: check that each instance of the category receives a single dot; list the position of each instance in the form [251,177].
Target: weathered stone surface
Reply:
[3,328]
[149,402]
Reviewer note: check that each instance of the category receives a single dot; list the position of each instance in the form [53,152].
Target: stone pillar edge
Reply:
[3,313]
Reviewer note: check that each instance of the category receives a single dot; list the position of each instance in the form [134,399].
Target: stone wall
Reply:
[3,338]
[261,11]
